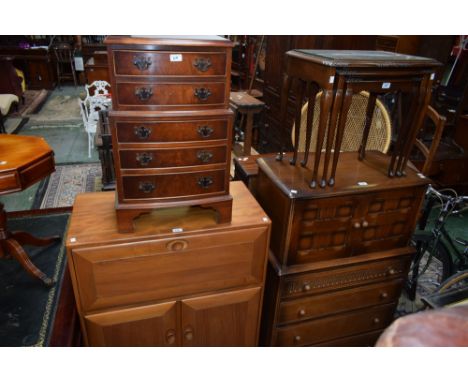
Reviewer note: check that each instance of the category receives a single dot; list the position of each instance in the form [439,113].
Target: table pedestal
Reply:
[10,245]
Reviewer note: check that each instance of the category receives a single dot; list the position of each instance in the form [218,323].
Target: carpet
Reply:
[27,307]
[67,138]
[62,104]
[66,182]
[33,101]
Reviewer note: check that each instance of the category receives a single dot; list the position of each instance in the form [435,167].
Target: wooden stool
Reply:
[246,105]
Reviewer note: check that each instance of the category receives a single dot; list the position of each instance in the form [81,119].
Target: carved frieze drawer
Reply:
[172,157]
[344,277]
[163,63]
[203,183]
[179,130]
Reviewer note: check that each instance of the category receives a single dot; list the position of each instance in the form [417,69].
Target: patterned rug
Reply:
[33,101]
[69,180]
[27,308]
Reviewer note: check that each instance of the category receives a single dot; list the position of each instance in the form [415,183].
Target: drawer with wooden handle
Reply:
[334,327]
[174,185]
[171,131]
[148,96]
[108,276]
[345,276]
[339,301]
[172,157]
[163,63]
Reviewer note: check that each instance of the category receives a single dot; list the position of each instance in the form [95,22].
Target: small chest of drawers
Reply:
[171,124]
[339,257]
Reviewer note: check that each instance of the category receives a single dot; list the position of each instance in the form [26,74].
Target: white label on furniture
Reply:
[331,79]
[362,184]
[177,230]
[432,76]
[386,85]
[175,57]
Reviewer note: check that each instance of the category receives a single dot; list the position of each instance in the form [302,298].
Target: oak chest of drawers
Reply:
[171,124]
[179,280]
[339,257]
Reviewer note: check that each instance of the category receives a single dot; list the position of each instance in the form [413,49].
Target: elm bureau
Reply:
[171,124]
[180,279]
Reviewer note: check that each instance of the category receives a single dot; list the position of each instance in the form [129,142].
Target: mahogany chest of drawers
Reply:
[171,124]
[339,256]
[180,279]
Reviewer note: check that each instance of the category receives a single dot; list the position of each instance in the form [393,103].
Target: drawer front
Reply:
[144,63]
[141,96]
[359,340]
[162,269]
[334,327]
[340,301]
[344,277]
[174,185]
[177,131]
[172,157]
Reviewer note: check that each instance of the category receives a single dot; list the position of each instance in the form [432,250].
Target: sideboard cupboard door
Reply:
[154,325]
[223,319]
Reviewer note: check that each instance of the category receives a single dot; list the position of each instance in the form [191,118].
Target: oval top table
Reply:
[24,161]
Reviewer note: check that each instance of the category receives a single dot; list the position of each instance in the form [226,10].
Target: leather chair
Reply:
[10,81]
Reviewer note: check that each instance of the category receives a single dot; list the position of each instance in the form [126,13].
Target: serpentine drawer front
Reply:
[175,63]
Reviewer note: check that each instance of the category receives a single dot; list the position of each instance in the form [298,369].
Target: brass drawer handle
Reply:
[357,225]
[177,245]
[307,287]
[202,64]
[383,295]
[142,62]
[297,338]
[301,313]
[202,93]
[365,224]
[376,320]
[204,156]
[142,132]
[170,336]
[205,181]
[391,272]
[146,187]
[205,131]
[143,94]
[144,158]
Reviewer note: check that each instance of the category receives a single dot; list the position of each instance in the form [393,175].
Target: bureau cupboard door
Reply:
[153,325]
[223,319]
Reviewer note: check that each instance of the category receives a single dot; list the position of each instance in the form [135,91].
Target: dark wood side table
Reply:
[23,161]
[246,105]
[341,73]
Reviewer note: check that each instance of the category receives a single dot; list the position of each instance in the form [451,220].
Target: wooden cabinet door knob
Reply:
[188,333]
[170,336]
[301,312]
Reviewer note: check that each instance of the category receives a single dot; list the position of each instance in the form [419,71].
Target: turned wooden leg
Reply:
[337,105]
[297,121]
[284,111]
[425,92]
[325,104]
[348,97]
[27,238]
[15,249]
[314,89]
[368,124]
